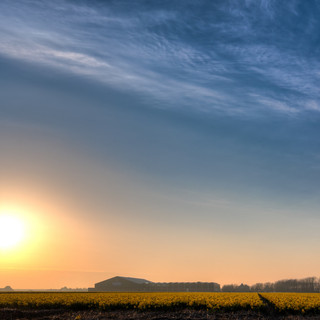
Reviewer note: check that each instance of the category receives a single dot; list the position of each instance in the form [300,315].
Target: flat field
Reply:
[138,301]
[87,306]
[298,303]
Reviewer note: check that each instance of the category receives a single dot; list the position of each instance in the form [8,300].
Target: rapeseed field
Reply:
[299,303]
[294,302]
[139,301]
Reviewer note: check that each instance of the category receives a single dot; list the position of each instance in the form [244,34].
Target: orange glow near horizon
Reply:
[41,233]
[64,245]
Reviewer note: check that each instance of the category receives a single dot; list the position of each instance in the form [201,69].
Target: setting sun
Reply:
[12,231]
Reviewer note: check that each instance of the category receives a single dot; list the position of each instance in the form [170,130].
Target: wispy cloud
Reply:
[276,105]
[177,57]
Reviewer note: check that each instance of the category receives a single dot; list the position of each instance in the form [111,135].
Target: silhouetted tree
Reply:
[311,284]
[258,287]
[229,288]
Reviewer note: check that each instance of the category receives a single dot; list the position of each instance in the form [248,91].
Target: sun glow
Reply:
[12,231]
[23,234]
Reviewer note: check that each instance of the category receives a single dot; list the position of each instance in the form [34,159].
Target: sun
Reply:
[12,231]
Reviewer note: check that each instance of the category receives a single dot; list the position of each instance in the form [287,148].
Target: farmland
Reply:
[139,305]
[299,303]
[138,301]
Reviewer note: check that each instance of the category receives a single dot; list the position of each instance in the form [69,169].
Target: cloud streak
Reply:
[227,57]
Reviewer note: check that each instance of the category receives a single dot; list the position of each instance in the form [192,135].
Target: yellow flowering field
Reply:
[294,302]
[139,301]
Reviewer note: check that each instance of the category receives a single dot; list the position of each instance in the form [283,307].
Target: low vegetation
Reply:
[263,303]
[298,303]
[139,301]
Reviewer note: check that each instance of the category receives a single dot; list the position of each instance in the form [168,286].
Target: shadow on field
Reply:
[62,314]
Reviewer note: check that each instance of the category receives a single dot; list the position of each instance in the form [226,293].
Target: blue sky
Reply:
[202,115]
[225,56]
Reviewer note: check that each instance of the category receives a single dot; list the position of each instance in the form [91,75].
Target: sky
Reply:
[165,140]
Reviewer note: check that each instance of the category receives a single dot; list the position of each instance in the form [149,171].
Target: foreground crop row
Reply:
[294,302]
[281,302]
[142,301]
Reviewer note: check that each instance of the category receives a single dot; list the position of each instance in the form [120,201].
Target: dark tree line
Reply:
[311,284]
